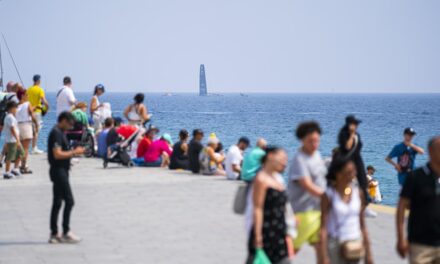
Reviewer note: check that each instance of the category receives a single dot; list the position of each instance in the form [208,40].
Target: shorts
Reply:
[12,152]
[420,254]
[39,121]
[26,130]
[402,177]
[309,225]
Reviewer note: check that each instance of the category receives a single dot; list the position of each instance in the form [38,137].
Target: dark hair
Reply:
[139,98]
[219,147]
[370,167]
[108,122]
[10,105]
[117,121]
[67,80]
[197,131]
[306,128]
[99,87]
[431,142]
[183,134]
[269,150]
[66,116]
[36,78]
[337,165]
[244,140]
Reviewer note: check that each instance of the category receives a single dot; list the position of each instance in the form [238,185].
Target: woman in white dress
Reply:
[95,105]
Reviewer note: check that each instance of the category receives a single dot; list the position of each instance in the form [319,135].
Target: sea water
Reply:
[275,116]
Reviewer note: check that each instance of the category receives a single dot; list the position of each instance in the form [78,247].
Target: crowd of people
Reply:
[321,203]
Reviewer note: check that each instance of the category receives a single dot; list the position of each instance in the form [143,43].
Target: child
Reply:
[13,146]
[373,185]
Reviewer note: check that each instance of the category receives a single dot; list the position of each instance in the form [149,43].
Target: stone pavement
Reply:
[138,215]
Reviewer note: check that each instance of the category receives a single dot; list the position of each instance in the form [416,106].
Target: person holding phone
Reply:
[59,157]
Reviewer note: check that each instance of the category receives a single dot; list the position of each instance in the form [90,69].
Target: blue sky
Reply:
[246,46]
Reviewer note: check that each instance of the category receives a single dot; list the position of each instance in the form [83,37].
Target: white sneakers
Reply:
[37,151]
[14,173]
[69,238]
[370,213]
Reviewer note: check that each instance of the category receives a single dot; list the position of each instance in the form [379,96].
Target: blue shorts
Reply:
[142,163]
[402,177]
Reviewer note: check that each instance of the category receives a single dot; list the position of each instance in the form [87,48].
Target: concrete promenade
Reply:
[138,215]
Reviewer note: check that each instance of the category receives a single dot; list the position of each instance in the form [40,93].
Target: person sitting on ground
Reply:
[252,161]
[26,119]
[14,149]
[234,158]
[146,141]
[102,137]
[137,113]
[159,152]
[373,185]
[210,161]
[113,137]
[179,158]
[79,112]
[194,148]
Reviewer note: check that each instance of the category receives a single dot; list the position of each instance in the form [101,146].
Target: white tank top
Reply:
[343,220]
[22,114]
[133,115]
[96,112]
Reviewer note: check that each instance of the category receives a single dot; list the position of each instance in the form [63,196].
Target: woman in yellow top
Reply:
[38,101]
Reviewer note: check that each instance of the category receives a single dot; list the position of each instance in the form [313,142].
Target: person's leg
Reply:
[25,143]
[56,206]
[18,156]
[36,130]
[11,149]
[165,160]
[68,202]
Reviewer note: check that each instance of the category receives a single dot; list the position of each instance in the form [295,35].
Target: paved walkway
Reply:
[138,215]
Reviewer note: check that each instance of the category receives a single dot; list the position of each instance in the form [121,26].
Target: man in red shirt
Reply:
[146,141]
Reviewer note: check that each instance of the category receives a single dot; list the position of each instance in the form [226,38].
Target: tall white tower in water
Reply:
[203,89]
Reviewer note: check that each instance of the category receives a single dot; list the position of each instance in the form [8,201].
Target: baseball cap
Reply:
[351,119]
[409,131]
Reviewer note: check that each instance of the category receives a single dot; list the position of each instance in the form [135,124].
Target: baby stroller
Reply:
[118,153]
[80,135]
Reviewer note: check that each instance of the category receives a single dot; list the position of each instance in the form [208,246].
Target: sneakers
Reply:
[16,172]
[70,238]
[370,213]
[54,239]
[37,151]
[8,176]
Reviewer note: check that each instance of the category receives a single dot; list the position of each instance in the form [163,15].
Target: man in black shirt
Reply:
[421,195]
[194,148]
[59,155]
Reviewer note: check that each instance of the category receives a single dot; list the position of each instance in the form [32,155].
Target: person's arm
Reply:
[236,168]
[71,97]
[364,231]
[307,183]
[44,100]
[325,206]
[60,154]
[402,243]
[15,135]
[211,154]
[258,200]
[417,149]
[143,112]
[31,113]
[126,111]
[390,160]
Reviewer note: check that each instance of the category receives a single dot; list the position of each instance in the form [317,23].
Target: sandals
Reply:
[25,170]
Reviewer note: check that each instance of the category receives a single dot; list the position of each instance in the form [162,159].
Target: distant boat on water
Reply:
[167,94]
[203,89]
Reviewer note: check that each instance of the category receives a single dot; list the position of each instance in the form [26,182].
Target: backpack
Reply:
[405,161]
[6,98]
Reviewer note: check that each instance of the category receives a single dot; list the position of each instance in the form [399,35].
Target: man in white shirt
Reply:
[234,157]
[65,97]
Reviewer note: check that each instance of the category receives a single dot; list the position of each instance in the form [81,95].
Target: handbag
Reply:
[352,250]
[240,199]
[261,257]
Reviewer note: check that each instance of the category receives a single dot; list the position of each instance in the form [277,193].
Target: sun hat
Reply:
[168,138]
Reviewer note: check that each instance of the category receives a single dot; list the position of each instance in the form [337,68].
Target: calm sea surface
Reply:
[275,116]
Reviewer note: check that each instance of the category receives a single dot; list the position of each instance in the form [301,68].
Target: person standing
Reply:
[26,120]
[194,148]
[59,156]
[234,158]
[421,195]
[252,161]
[137,113]
[269,228]
[14,150]
[306,185]
[37,99]
[342,217]
[94,107]
[65,97]
[405,152]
